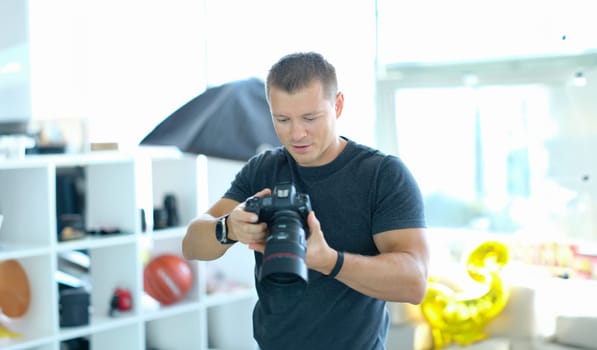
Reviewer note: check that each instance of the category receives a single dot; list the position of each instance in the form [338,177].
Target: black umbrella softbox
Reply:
[230,121]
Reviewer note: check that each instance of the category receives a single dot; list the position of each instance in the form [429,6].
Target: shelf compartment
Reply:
[218,322]
[171,176]
[102,194]
[27,203]
[38,323]
[173,245]
[230,273]
[107,268]
[113,267]
[111,198]
[178,332]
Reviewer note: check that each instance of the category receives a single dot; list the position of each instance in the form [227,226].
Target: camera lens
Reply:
[284,258]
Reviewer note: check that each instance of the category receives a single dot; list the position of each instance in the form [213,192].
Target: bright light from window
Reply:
[10,67]
[475,152]
[430,30]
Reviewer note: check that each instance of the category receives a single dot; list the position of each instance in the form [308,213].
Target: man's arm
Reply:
[200,241]
[398,273]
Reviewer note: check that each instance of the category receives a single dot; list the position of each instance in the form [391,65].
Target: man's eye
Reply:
[281,120]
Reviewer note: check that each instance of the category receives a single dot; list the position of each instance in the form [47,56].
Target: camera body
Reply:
[285,213]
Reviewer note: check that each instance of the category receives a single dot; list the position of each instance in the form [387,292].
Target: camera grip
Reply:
[252,205]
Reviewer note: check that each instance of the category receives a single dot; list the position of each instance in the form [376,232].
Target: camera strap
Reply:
[284,172]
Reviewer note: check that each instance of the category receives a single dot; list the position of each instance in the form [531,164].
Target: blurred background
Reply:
[491,104]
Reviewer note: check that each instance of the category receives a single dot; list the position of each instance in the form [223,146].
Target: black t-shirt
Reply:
[361,193]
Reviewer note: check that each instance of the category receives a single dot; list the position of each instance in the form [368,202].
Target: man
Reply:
[366,242]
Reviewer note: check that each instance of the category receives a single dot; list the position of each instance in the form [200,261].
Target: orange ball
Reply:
[167,278]
[15,291]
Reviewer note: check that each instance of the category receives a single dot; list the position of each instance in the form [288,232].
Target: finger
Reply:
[246,216]
[257,232]
[258,247]
[313,222]
[263,192]
[253,217]
[252,233]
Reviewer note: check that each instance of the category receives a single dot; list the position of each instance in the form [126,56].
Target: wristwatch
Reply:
[222,232]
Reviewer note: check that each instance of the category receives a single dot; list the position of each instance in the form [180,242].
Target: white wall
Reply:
[433,31]
[121,65]
[15,94]
[244,38]
[125,65]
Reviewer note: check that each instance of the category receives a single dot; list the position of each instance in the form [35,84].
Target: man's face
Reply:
[305,122]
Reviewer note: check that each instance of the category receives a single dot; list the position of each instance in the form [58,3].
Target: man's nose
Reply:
[297,131]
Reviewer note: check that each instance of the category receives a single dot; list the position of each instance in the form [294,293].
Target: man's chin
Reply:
[305,158]
[305,161]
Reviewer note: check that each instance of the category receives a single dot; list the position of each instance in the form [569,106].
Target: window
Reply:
[471,149]
[503,146]
[492,106]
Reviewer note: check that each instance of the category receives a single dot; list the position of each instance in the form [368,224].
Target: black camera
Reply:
[285,213]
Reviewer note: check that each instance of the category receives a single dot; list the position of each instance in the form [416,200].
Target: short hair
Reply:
[296,71]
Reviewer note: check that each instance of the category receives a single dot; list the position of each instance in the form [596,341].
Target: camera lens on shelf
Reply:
[160,218]
[170,204]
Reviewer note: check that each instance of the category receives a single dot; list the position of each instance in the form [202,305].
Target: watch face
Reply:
[220,231]
[221,234]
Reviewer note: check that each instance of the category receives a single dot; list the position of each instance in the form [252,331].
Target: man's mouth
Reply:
[300,148]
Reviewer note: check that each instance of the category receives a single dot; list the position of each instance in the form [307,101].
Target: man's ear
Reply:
[339,103]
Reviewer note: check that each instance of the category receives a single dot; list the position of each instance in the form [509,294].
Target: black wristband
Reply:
[338,266]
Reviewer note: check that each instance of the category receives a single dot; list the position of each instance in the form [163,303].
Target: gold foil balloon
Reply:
[454,316]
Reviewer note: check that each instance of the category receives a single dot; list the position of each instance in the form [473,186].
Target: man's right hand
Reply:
[243,226]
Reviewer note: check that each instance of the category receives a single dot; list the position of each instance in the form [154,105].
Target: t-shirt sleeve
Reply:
[240,187]
[399,203]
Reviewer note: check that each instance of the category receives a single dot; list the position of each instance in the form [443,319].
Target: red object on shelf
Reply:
[167,278]
[123,299]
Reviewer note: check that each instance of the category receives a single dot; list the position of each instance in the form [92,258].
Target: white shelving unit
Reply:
[117,187]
